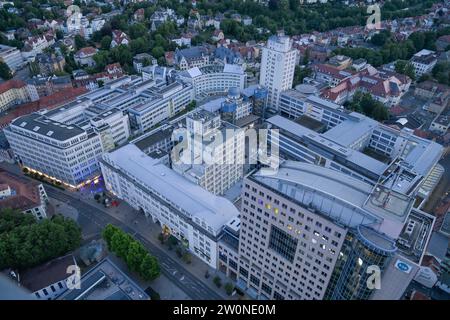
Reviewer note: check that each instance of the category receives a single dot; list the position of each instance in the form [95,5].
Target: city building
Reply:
[326,134]
[142,60]
[277,68]
[85,56]
[424,62]
[308,232]
[105,281]
[12,93]
[22,194]
[64,152]
[214,79]
[39,87]
[49,280]
[49,64]
[234,107]
[182,208]
[211,152]
[155,104]
[11,56]
[191,57]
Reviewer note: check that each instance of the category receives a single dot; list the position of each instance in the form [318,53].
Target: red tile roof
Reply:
[48,102]
[11,84]
[26,192]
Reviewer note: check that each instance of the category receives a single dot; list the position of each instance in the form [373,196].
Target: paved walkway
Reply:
[150,232]
[145,231]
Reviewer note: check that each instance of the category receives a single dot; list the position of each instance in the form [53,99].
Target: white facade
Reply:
[424,62]
[11,56]
[277,67]
[214,79]
[64,152]
[213,156]
[188,212]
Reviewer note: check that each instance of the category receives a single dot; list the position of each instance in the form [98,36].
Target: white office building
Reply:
[277,68]
[184,209]
[11,56]
[214,79]
[64,152]
[211,152]
[311,233]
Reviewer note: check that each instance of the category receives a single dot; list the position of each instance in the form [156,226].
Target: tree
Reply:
[102,59]
[5,72]
[137,30]
[132,251]
[149,269]
[108,232]
[10,219]
[229,288]
[120,243]
[366,104]
[406,68]
[25,243]
[158,52]
[105,43]
[59,34]
[217,281]
[381,38]
[135,256]
[300,74]
[122,54]
[80,42]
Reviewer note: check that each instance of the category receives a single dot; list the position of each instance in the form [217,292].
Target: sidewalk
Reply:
[150,231]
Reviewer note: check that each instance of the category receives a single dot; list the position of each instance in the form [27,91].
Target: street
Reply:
[172,269]
[93,219]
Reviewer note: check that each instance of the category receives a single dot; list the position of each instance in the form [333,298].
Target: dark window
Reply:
[266,288]
[282,243]
[243,271]
[233,264]
[254,280]
[277,296]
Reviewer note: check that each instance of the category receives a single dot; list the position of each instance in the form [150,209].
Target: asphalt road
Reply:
[171,268]
[92,220]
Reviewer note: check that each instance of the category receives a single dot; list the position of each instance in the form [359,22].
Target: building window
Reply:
[282,243]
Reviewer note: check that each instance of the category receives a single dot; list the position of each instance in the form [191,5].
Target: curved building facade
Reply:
[214,79]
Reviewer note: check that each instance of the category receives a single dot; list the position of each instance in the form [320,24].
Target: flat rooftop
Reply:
[313,184]
[194,200]
[105,281]
[40,124]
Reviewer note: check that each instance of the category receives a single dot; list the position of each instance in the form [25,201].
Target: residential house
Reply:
[192,57]
[48,64]
[424,62]
[184,40]
[218,35]
[12,92]
[119,38]
[24,195]
[51,279]
[443,43]
[142,60]
[139,15]
[85,56]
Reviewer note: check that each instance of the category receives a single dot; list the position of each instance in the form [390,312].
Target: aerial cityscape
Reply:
[226,150]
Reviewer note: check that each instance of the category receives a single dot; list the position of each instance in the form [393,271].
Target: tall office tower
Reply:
[213,152]
[277,67]
[308,232]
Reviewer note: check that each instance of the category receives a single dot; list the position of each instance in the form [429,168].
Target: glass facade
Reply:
[362,249]
[283,243]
